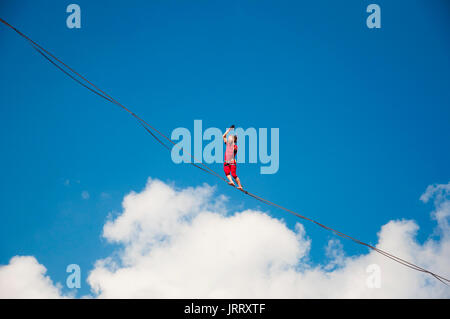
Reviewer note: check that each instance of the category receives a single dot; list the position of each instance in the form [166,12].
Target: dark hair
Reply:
[235,138]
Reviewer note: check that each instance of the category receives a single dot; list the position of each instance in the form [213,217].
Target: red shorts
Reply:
[230,168]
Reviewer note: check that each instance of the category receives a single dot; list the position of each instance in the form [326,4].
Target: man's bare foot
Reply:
[240,187]
[231,184]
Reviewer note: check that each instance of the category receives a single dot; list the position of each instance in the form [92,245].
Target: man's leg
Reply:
[227,170]
[238,182]
[233,172]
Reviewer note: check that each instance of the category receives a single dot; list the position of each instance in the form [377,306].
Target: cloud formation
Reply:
[184,243]
[24,278]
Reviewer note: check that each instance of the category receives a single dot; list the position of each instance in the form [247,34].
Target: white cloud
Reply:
[183,244]
[441,194]
[24,277]
[439,191]
[335,252]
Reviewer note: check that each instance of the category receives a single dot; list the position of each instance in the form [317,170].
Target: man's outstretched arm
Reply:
[226,133]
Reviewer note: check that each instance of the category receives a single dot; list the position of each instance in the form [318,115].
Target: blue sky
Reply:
[363,114]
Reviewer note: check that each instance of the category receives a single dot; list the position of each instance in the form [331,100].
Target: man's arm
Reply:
[226,133]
